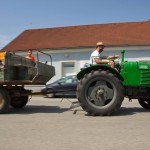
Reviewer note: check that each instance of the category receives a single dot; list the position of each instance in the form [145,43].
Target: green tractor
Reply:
[102,89]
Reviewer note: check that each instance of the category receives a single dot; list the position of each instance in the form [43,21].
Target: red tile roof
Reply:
[114,34]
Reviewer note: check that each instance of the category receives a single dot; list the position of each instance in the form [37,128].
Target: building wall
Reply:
[69,61]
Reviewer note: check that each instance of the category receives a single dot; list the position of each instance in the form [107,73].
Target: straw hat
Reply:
[99,44]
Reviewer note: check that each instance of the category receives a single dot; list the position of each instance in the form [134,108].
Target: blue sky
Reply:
[19,15]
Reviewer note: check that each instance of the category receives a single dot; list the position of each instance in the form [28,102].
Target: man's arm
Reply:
[99,61]
[113,57]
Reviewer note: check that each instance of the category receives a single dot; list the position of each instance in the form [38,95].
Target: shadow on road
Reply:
[123,111]
[30,109]
[38,109]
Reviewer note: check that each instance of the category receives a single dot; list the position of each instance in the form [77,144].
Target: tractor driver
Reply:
[96,57]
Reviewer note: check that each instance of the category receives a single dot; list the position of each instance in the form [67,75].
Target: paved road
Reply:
[48,124]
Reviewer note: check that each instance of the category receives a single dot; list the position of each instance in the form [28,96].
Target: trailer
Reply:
[16,72]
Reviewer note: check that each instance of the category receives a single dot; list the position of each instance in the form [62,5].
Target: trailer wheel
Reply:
[145,103]
[4,101]
[19,102]
[100,93]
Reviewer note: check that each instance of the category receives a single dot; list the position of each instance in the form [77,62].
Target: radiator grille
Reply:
[145,77]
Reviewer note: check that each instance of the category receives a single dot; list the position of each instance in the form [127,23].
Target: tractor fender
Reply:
[87,70]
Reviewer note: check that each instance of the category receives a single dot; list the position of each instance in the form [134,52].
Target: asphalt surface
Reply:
[50,124]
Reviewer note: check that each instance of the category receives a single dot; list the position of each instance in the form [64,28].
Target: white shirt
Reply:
[95,54]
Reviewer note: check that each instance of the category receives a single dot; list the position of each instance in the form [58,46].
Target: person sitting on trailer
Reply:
[30,56]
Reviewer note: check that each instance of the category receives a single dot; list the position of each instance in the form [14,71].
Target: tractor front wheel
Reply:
[100,93]
[145,103]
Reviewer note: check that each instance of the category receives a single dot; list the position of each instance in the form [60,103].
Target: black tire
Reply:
[100,93]
[145,103]
[19,102]
[50,93]
[4,101]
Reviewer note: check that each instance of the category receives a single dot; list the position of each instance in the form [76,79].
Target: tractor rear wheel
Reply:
[100,93]
[145,103]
